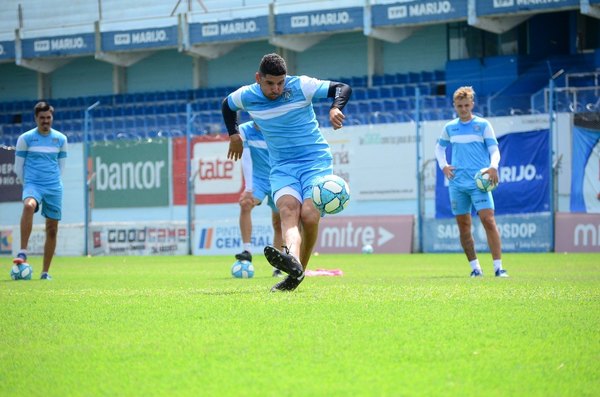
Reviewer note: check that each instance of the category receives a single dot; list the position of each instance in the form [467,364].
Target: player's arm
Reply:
[231,123]
[340,93]
[440,155]
[20,154]
[489,137]
[492,171]
[62,157]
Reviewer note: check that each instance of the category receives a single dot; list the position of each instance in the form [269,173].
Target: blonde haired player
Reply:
[474,146]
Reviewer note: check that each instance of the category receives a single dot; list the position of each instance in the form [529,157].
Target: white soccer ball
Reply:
[242,269]
[482,181]
[367,249]
[21,272]
[330,194]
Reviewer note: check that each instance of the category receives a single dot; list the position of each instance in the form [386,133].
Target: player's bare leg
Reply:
[310,219]
[467,242]
[29,205]
[277,237]
[247,203]
[466,237]
[493,237]
[289,211]
[50,244]
[27,221]
[288,261]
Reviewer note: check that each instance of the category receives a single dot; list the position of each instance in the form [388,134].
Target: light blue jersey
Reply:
[41,154]
[288,123]
[470,142]
[260,165]
[298,151]
[254,140]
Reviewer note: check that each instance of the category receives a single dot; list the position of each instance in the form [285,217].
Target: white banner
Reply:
[135,238]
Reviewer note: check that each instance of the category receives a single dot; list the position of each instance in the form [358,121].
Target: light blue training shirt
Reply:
[470,142]
[42,155]
[254,140]
[289,123]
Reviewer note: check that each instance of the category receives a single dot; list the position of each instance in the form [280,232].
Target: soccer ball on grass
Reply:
[21,272]
[367,249]
[482,181]
[330,194]
[242,269]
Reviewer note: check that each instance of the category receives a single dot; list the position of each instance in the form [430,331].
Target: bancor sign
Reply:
[577,232]
[348,234]
[131,176]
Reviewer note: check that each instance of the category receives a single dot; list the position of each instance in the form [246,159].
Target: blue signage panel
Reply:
[418,11]
[585,174]
[139,39]
[7,50]
[491,7]
[74,44]
[340,19]
[524,176]
[519,233]
[231,30]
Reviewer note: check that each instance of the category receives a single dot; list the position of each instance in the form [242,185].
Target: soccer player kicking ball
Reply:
[256,167]
[474,146]
[39,162]
[281,106]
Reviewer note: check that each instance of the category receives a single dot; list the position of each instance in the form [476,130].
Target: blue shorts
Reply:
[49,198]
[299,177]
[463,200]
[261,188]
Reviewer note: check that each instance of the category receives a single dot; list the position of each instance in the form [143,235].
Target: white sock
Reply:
[23,252]
[497,264]
[475,264]
[248,247]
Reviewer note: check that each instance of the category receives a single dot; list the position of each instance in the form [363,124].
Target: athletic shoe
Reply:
[277,273]
[284,261]
[287,284]
[45,276]
[20,258]
[244,256]
[476,273]
[501,273]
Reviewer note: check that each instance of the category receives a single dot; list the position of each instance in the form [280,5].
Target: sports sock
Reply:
[497,264]
[475,264]
[248,247]
[22,252]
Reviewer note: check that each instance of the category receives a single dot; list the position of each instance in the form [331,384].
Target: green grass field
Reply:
[393,325]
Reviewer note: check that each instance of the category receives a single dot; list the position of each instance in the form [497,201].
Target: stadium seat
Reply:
[401,78]
[398,91]
[358,94]
[378,80]
[414,77]
[385,92]
[373,93]
[389,79]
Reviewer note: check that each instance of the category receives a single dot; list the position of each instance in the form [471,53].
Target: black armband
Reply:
[340,93]
[230,118]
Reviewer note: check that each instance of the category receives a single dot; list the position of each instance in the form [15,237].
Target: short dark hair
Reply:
[42,107]
[272,64]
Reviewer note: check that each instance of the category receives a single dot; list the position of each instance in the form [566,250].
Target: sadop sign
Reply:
[131,176]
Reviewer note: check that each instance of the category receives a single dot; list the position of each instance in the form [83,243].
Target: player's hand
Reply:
[236,146]
[336,118]
[449,171]
[493,173]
